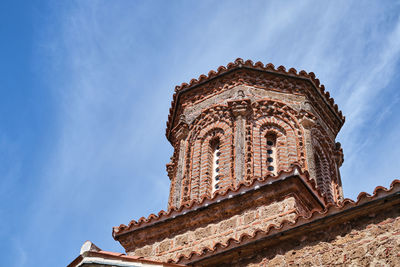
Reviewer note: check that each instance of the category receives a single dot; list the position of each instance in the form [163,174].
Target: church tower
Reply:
[254,153]
[247,122]
[255,182]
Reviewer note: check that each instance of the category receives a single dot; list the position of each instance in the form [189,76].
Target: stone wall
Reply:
[367,241]
[195,240]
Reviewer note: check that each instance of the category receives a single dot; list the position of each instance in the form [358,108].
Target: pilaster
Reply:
[240,109]
[308,124]
[181,135]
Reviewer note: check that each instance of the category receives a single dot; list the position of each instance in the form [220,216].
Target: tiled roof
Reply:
[248,64]
[216,197]
[347,204]
[120,257]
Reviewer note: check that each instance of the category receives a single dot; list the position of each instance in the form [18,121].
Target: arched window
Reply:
[271,152]
[322,173]
[216,153]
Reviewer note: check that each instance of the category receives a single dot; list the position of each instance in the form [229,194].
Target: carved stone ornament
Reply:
[307,123]
[170,169]
[183,130]
[240,107]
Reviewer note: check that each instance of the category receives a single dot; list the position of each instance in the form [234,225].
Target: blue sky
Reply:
[86,88]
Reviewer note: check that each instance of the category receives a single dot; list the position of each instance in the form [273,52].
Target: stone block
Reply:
[202,233]
[144,251]
[181,240]
[165,246]
[228,224]
[249,217]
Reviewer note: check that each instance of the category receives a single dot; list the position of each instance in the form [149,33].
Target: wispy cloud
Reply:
[111,69]
[375,78]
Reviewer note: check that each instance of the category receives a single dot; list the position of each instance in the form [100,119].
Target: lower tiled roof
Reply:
[120,257]
[217,196]
[346,205]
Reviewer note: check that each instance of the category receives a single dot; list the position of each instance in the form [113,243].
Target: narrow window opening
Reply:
[216,153]
[271,151]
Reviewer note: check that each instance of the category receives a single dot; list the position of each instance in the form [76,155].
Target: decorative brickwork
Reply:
[366,242]
[242,108]
[255,179]
[221,231]
[250,208]
[365,233]
[203,131]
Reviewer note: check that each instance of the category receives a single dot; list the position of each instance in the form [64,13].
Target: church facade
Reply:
[255,180]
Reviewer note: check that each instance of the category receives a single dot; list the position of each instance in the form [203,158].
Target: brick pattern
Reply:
[265,117]
[281,117]
[285,141]
[278,118]
[326,176]
[262,80]
[249,221]
[199,168]
[366,242]
[249,148]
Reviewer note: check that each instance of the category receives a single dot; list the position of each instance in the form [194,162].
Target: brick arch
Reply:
[320,138]
[216,114]
[287,151]
[322,171]
[201,158]
[281,143]
[323,159]
[213,118]
[286,114]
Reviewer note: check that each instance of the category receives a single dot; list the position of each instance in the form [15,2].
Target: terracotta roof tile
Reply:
[218,195]
[111,253]
[240,63]
[362,198]
[118,256]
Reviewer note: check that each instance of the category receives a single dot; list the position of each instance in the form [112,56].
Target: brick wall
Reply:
[195,239]
[213,113]
[372,240]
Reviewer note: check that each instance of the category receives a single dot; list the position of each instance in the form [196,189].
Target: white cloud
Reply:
[112,68]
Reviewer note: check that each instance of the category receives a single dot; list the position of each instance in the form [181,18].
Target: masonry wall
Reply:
[369,241]
[239,116]
[196,239]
